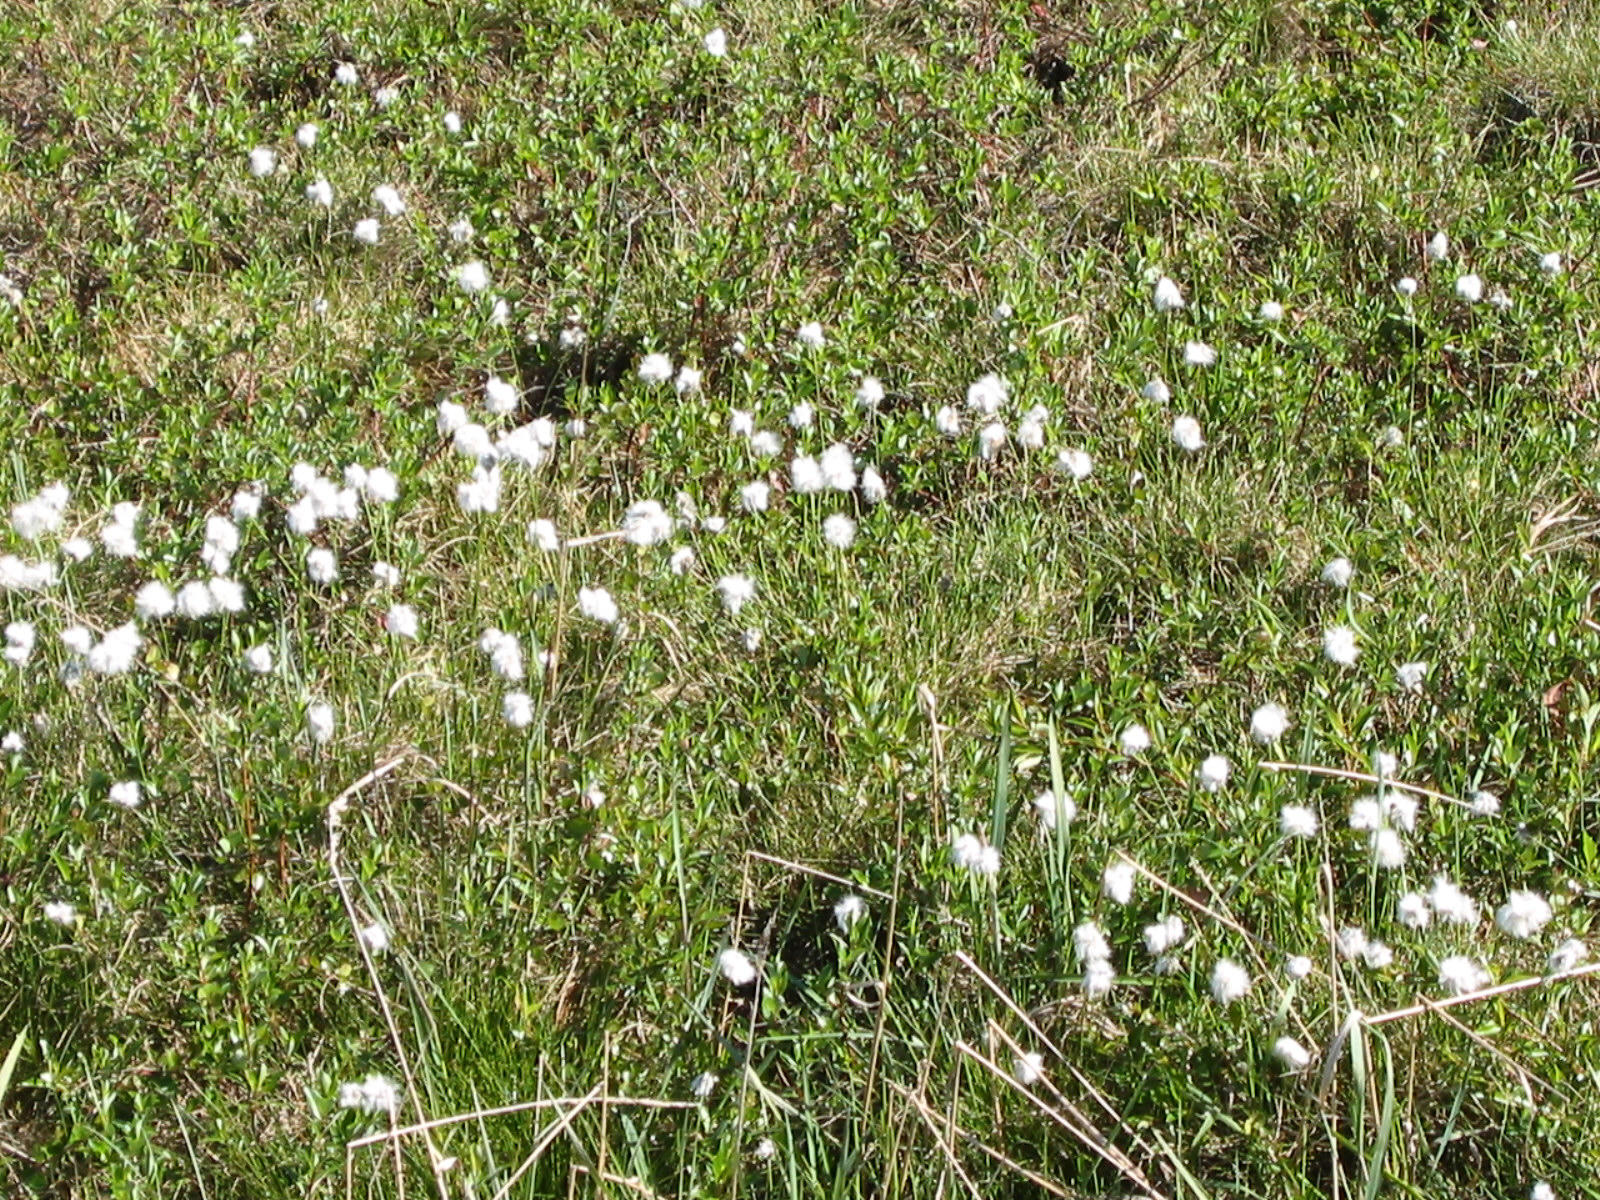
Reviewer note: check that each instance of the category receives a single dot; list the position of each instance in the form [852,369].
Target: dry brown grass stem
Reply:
[1088,1136]
[556,1128]
[1364,777]
[954,1131]
[1044,1040]
[336,810]
[932,1120]
[1524,1076]
[508,1109]
[591,539]
[1198,905]
[820,874]
[1502,989]
[1113,1153]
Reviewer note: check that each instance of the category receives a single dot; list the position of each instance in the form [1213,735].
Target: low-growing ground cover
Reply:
[798,600]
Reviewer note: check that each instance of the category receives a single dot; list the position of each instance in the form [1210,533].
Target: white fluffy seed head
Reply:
[1459,975]
[755,496]
[1164,936]
[736,967]
[471,277]
[1450,904]
[1412,911]
[736,591]
[1388,851]
[873,489]
[805,475]
[1186,433]
[655,368]
[1297,821]
[1089,943]
[848,911]
[840,531]
[1229,982]
[126,794]
[387,197]
[1485,804]
[1567,956]
[1213,773]
[517,709]
[1028,1068]
[1339,645]
[1117,881]
[1075,463]
[597,605]
[1411,676]
[838,466]
[402,622]
[991,440]
[646,523]
[1134,740]
[1523,914]
[1098,978]
[194,600]
[1291,1054]
[988,394]
[1054,811]
[1268,723]
[319,722]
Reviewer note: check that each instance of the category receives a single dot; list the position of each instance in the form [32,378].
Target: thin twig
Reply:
[805,870]
[1088,1137]
[965,960]
[888,956]
[336,810]
[1197,905]
[1363,777]
[972,1139]
[925,1111]
[589,540]
[1112,1152]
[525,1106]
[555,1130]
[1522,1072]
[199,1180]
[1517,985]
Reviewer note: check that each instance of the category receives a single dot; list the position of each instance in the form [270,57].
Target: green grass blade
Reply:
[1380,1145]
[1002,786]
[10,1065]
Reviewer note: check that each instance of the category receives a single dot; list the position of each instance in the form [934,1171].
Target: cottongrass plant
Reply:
[602,683]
